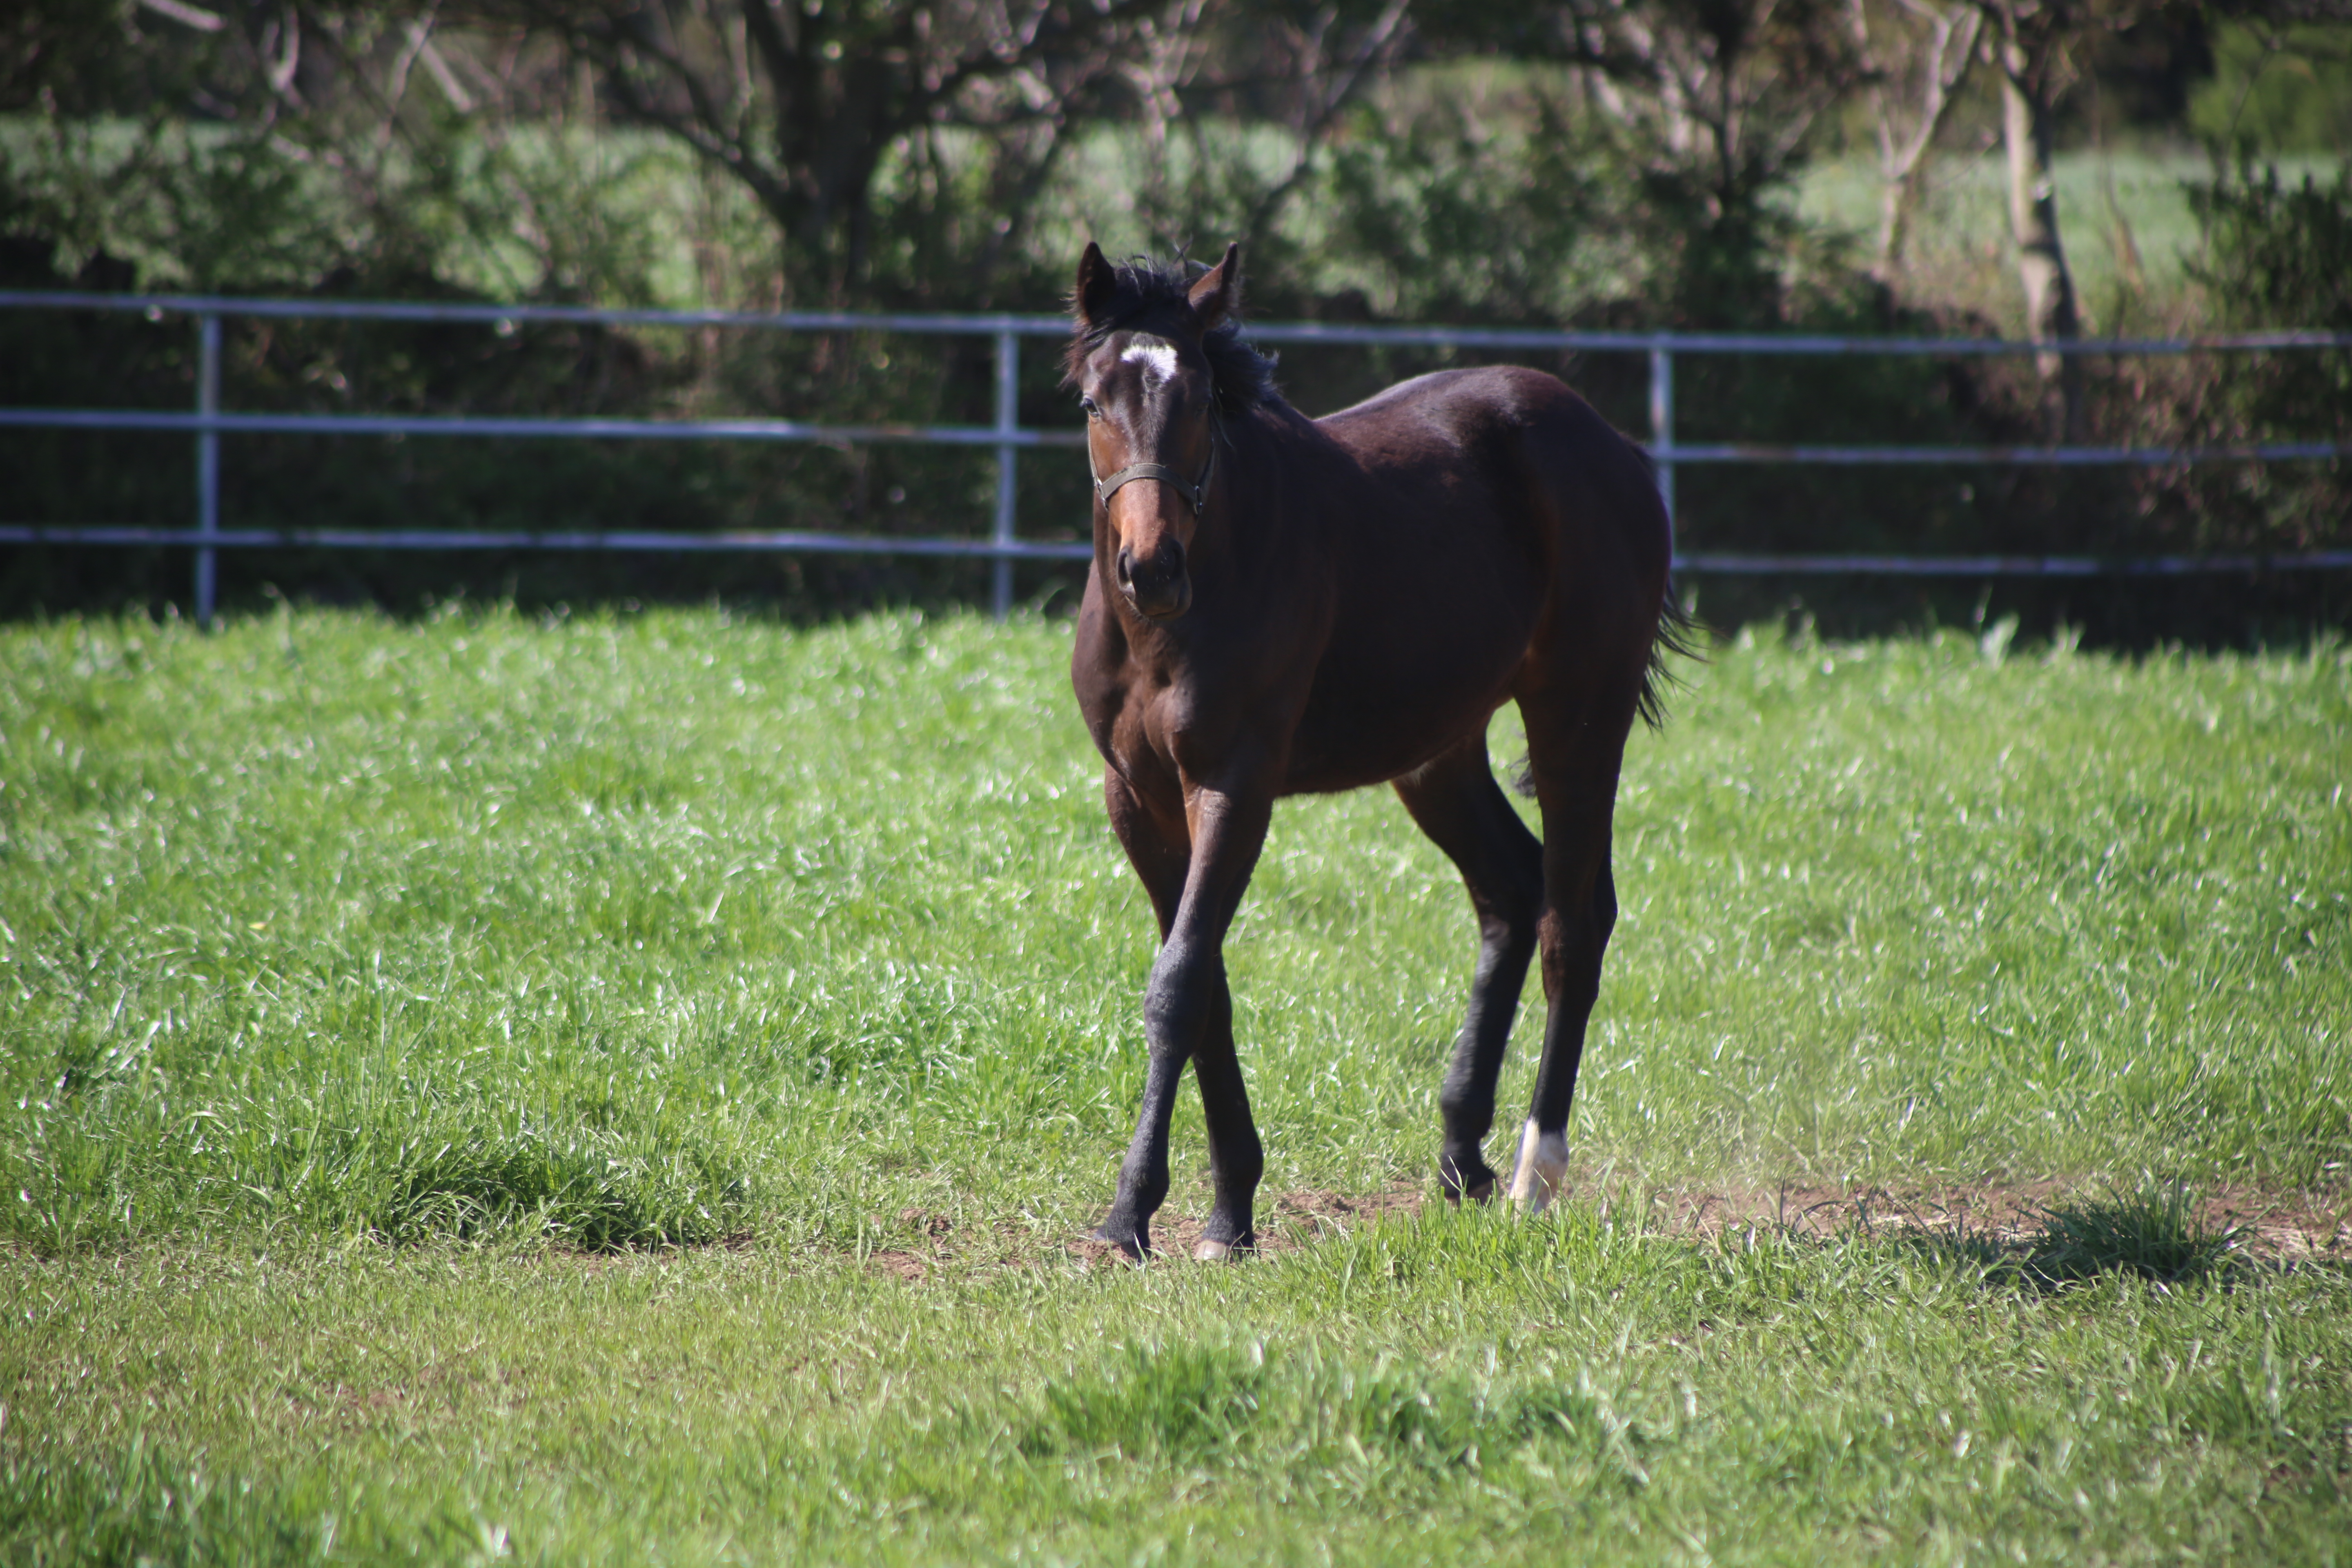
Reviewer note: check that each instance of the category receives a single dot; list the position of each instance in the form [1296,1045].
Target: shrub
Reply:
[2276,256]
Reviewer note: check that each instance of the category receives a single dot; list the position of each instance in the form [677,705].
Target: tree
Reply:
[802,101]
[1915,56]
[1294,65]
[1716,100]
[2032,45]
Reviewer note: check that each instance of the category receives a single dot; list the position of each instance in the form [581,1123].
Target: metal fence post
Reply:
[208,343]
[1008,420]
[1662,424]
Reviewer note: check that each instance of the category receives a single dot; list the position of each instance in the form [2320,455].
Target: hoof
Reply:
[1472,1183]
[1133,1243]
[1542,1170]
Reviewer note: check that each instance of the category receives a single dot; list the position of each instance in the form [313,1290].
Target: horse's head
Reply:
[1144,380]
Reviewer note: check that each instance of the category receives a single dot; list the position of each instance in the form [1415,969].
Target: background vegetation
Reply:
[1602,162]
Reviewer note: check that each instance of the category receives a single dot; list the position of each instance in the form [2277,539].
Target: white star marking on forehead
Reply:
[1157,359]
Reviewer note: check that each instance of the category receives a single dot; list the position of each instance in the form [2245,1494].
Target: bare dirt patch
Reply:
[2269,1226]
[1311,1213]
[904,1265]
[934,1245]
[2274,1228]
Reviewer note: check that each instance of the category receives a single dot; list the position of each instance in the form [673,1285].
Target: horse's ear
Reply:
[1216,293]
[1095,286]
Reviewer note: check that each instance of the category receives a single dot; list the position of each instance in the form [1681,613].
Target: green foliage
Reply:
[530,213]
[609,220]
[1436,217]
[2278,255]
[2276,90]
[1473,191]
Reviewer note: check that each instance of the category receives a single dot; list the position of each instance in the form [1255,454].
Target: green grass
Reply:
[396,1014]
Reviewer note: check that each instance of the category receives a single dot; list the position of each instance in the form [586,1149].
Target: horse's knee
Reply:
[1526,901]
[1183,990]
[1565,931]
[1604,904]
[1506,937]
[1556,935]
[1510,912]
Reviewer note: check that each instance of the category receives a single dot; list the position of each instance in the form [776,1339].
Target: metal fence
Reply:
[1006,437]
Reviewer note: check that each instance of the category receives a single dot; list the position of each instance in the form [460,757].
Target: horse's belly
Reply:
[1331,772]
[1359,733]
[1416,662]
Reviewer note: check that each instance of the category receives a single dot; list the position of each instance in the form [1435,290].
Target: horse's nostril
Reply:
[1126,566]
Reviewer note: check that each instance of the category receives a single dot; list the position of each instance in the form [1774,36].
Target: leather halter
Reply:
[1191,491]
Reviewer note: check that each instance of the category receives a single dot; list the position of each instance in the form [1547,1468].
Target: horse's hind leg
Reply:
[1575,752]
[1454,800]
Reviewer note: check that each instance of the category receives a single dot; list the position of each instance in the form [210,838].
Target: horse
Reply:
[1281,605]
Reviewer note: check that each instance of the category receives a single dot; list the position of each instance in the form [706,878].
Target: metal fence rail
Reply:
[1006,436]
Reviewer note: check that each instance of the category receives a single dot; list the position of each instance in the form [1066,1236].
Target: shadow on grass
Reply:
[2158,1233]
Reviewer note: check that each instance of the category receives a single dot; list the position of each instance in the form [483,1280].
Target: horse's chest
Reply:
[1144,742]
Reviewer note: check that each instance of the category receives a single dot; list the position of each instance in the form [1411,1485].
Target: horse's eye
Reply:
[1088,405]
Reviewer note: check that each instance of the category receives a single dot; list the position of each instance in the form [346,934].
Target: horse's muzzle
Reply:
[1158,586]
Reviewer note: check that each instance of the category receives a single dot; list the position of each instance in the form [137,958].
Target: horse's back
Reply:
[1474,514]
[1507,462]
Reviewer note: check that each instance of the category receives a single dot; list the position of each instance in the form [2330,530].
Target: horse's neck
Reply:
[1264,448]
[1246,461]
[1263,529]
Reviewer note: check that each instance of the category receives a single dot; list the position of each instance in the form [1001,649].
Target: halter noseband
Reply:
[1195,492]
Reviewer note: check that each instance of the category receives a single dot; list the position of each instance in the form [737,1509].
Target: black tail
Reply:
[1679,632]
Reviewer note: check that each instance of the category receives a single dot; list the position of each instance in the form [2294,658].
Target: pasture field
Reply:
[631,1089]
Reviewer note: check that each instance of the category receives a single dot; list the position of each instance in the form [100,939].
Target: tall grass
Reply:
[386,1005]
[1455,1385]
[665,928]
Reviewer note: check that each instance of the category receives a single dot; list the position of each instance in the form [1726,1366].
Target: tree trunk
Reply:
[2050,312]
[1936,64]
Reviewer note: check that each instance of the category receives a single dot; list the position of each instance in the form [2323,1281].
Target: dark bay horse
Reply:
[1281,605]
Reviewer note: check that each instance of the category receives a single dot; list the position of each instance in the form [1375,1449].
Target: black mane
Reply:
[1150,297]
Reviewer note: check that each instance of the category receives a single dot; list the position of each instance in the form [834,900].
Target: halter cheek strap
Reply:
[1194,492]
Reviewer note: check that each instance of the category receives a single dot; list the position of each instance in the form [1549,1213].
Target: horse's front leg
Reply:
[1188,1016]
